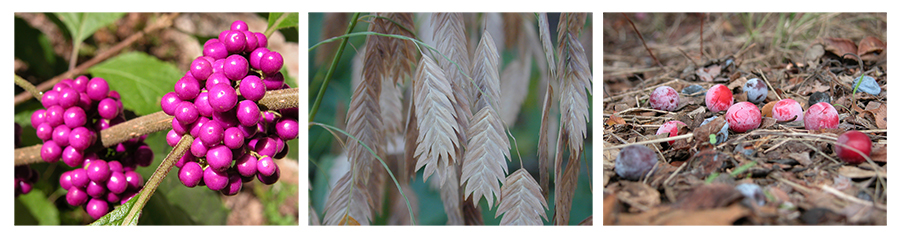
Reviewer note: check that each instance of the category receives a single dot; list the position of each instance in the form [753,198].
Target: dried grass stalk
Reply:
[438,127]
[575,79]
[399,212]
[521,202]
[450,40]
[544,143]
[348,202]
[488,147]
[566,188]
[471,213]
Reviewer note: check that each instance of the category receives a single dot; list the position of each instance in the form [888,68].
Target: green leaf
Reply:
[117,216]
[83,24]
[280,20]
[43,210]
[141,79]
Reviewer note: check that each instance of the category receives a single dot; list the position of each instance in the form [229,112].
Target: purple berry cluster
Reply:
[216,103]
[76,111]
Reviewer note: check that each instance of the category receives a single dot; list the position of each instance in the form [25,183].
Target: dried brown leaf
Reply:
[348,201]
[840,46]
[437,142]
[871,49]
[521,202]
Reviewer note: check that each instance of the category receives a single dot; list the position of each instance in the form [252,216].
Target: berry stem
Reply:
[29,88]
[158,175]
[163,21]
[334,62]
[155,122]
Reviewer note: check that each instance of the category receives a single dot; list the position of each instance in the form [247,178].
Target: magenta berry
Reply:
[271,62]
[787,109]
[214,180]
[97,208]
[820,116]
[252,88]
[634,162]
[856,140]
[239,25]
[191,174]
[664,98]
[756,90]
[222,97]
[236,67]
[743,116]
[216,50]
[97,89]
[670,127]
[201,68]
[718,98]
[76,196]
[256,55]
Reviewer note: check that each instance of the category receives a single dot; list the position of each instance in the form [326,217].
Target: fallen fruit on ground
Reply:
[821,116]
[856,140]
[743,116]
[719,98]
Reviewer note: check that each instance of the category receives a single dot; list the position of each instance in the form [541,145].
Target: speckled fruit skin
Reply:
[719,98]
[664,98]
[853,139]
[634,162]
[756,90]
[670,127]
[787,109]
[820,116]
[743,116]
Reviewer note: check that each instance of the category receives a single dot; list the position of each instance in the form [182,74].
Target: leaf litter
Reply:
[696,182]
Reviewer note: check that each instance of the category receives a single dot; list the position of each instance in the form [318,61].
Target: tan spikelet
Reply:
[544,143]
[408,165]
[334,24]
[391,102]
[521,202]
[546,44]
[437,120]
[575,80]
[450,40]
[399,212]
[347,200]
[471,213]
[484,165]
[566,188]
[512,23]
[450,192]
[514,88]
[402,52]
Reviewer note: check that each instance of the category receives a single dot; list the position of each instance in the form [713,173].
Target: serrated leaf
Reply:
[140,78]
[81,25]
[281,20]
[43,210]
[117,216]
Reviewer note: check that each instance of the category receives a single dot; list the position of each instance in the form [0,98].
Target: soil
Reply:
[800,180]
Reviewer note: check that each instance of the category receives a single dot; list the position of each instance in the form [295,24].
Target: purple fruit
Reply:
[214,180]
[191,174]
[635,161]
[756,90]
[97,208]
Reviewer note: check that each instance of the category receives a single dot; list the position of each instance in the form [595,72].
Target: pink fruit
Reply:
[664,98]
[853,139]
[820,116]
[670,127]
[787,109]
[719,98]
[743,116]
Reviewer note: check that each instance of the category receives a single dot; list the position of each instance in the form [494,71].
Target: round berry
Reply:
[201,68]
[288,128]
[664,98]
[256,55]
[266,166]
[214,180]
[252,42]
[114,166]
[222,98]
[81,138]
[246,165]
[179,127]
[97,89]
[743,116]
[227,119]
[117,183]
[266,146]
[271,179]
[274,81]
[248,113]
[219,158]
[50,152]
[239,25]
[72,157]
[271,62]
[261,40]
[670,127]
[143,155]
[756,90]
[820,116]
[97,208]
[216,50]
[635,161]
[210,41]
[169,103]
[80,83]
[76,196]
[38,117]
[787,109]
[96,190]
[50,98]
[134,180]
[65,180]
[198,149]
[198,126]
[187,157]
[234,41]
[236,67]
[217,78]
[187,88]
[98,171]
[74,117]
[80,178]
[202,104]
[233,138]
[234,185]
[191,174]
[108,108]
[252,88]
[718,98]
[55,115]
[186,113]
[855,140]
[68,97]
[219,66]
[211,133]
[61,135]
[44,131]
